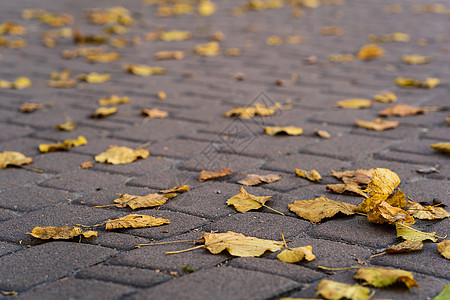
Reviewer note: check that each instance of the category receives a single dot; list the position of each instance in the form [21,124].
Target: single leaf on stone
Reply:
[60,233]
[21,83]
[385,98]
[369,52]
[411,234]
[359,176]
[135,202]
[427,213]
[176,189]
[244,201]
[112,100]
[13,158]
[208,175]
[336,290]
[144,70]
[121,155]
[277,130]
[63,146]
[444,294]
[319,208]
[154,113]
[255,179]
[342,188]
[441,147]
[135,221]
[311,175]
[377,124]
[323,134]
[384,182]
[415,59]
[354,103]
[94,77]
[162,55]
[102,57]
[67,126]
[257,109]
[405,246]
[383,212]
[398,199]
[428,83]
[444,248]
[379,277]
[175,35]
[293,255]
[208,49]
[206,8]
[401,110]
[102,112]
[29,107]
[87,165]
[369,203]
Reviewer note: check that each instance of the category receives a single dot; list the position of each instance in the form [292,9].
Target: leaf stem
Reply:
[378,254]
[163,243]
[284,241]
[88,226]
[32,169]
[273,209]
[338,269]
[108,205]
[184,250]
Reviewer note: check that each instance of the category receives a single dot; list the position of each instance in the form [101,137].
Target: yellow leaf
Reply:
[411,234]
[144,70]
[62,146]
[208,49]
[342,58]
[94,77]
[384,182]
[154,113]
[176,189]
[377,124]
[207,175]
[60,233]
[113,100]
[206,8]
[444,248]
[13,158]
[121,155]
[254,179]
[429,83]
[354,103]
[277,130]
[311,175]
[175,35]
[62,83]
[257,109]
[427,213]
[398,199]
[6,84]
[135,221]
[379,277]
[401,110]
[67,126]
[331,30]
[323,134]
[385,98]
[405,246]
[335,290]
[244,201]
[369,52]
[102,57]
[102,112]
[444,294]
[161,95]
[442,147]
[21,83]
[383,212]
[319,208]
[29,107]
[86,165]
[233,52]
[135,202]
[359,176]
[416,59]
[274,41]
[160,55]
[293,255]
[342,188]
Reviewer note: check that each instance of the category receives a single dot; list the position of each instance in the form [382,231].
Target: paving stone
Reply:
[13,131]
[25,145]
[150,164]
[97,146]
[107,196]
[6,248]
[14,177]
[427,190]
[59,162]
[166,179]
[213,161]
[304,161]
[57,136]
[414,146]
[440,134]
[141,278]
[30,198]
[47,262]
[77,289]
[116,240]
[178,148]
[6,214]
[221,283]
[411,158]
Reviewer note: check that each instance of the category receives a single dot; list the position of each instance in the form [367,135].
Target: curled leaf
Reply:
[255,179]
[28,107]
[411,234]
[63,146]
[154,113]
[342,188]
[60,233]
[401,110]
[176,189]
[94,77]
[144,70]
[405,246]
[377,124]
[382,212]
[135,221]
[385,98]
[293,255]
[415,59]
[208,175]
[13,158]
[317,209]
[369,52]
[208,49]
[379,277]
[427,213]
[444,248]
[336,290]
[442,147]
[135,202]
[161,55]
[67,126]
[359,176]
[102,112]
[277,130]
[383,183]
[397,199]
[112,100]
[354,103]
[250,111]
[121,155]
[428,83]
[311,175]
[323,134]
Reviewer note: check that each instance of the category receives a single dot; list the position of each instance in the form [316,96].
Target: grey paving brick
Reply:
[150,165]
[411,158]
[166,179]
[427,190]
[6,248]
[107,196]
[13,131]
[15,177]
[47,262]
[304,161]
[59,162]
[211,160]
[26,145]
[6,214]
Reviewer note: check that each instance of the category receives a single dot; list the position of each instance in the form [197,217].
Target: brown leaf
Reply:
[60,233]
[398,199]
[311,175]
[444,248]
[135,221]
[102,57]
[354,103]
[369,52]
[121,155]
[255,179]
[244,201]
[359,176]
[405,246]
[86,165]
[102,112]
[401,110]
[29,107]
[442,147]
[13,158]
[383,183]
[377,124]
[207,175]
[427,213]
[176,189]
[144,70]
[63,146]
[319,208]
[382,212]
[342,188]
[154,113]
[135,202]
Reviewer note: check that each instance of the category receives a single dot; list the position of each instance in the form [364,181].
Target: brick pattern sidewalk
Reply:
[196,136]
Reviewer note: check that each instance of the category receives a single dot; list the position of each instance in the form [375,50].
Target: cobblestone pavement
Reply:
[196,136]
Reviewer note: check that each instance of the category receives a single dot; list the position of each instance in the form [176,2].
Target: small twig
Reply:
[144,145]
[88,226]
[31,169]
[273,209]
[378,254]
[163,243]
[185,250]
[339,269]
[109,205]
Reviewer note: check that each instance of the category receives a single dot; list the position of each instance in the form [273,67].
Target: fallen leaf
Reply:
[319,208]
[277,130]
[63,146]
[13,158]
[161,55]
[135,202]
[323,134]
[82,38]
[121,155]
[94,77]
[244,201]
[176,189]
[257,109]
[208,49]
[311,175]
[86,165]
[427,170]
[21,83]
[393,37]
[401,110]
[144,70]
[429,83]
[384,182]
[335,290]
[411,234]
[342,188]
[12,28]
[60,233]
[444,294]
[274,41]
[175,35]
[102,57]
[102,112]
[161,95]
[398,199]
[415,59]
[379,277]
[354,103]
[29,107]
[405,246]
[341,58]
[383,212]
[444,248]
[369,52]
[233,52]
[385,98]
[359,176]
[293,255]
[442,147]
[135,221]
[206,8]
[112,100]
[331,30]
[427,213]
[255,179]
[207,175]
[154,113]
[67,126]
[377,124]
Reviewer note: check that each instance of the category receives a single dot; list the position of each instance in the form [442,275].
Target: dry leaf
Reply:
[369,52]
[208,49]
[277,130]
[341,58]
[94,77]
[274,41]
[13,158]
[335,290]
[411,234]
[383,212]
[207,175]
[444,294]
[102,112]
[257,109]
[175,35]
[405,246]
[398,199]
[442,147]
[81,38]
[233,52]
[60,233]
[319,208]
[385,98]
[255,179]
[342,188]
[379,277]
[86,165]
[384,182]
[444,248]
[121,155]
[206,8]
[160,55]
[63,146]
[112,100]
[311,175]
[393,37]
[429,83]
[294,255]
[161,95]
[154,113]
[67,126]
[401,110]
[323,134]
[176,189]
[29,107]
[135,202]
[331,30]
[144,70]
[354,103]
[359,176]
[416,59]
[377,124]
[244,201]
[427,213]
[135,221]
